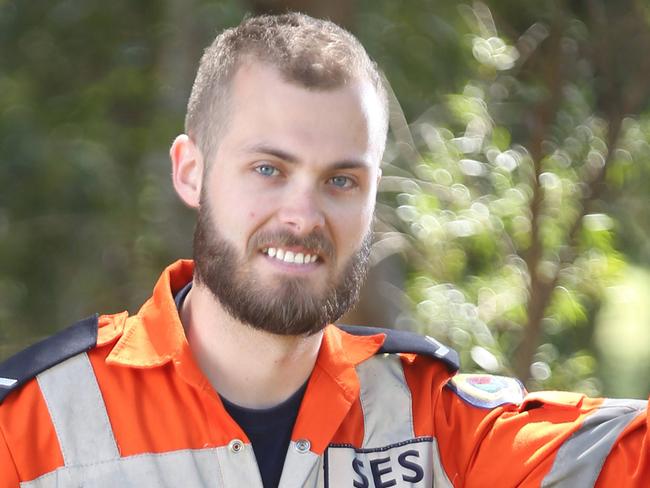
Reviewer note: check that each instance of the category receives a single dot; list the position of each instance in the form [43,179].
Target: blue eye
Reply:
[341,181]
[267,170]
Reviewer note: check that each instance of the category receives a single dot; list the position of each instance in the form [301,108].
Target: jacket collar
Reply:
[155,335]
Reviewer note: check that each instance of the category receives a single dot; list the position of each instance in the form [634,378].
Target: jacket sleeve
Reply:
[8,474]
[555,439]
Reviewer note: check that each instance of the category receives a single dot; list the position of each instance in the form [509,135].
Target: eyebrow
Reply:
[264,148]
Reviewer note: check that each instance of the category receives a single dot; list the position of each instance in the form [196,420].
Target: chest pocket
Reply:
[91,455]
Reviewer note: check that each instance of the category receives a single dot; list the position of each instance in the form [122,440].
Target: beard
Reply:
[289,306]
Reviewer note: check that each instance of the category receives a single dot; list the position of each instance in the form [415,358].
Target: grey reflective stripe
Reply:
[187,468]
[239,468]
[7,382]
[385,400]
[78,412]
[199,468]
[387,409]
[579,461]
[301,469]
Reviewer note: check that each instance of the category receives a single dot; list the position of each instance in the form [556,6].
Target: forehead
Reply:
[264,105]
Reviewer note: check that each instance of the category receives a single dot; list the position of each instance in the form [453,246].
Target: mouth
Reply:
[291,256]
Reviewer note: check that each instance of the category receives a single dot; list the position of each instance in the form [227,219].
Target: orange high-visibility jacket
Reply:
[124,404]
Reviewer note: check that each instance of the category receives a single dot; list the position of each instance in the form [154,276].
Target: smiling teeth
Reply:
[289,256]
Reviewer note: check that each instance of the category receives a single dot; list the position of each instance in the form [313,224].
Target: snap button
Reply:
[236,446]
[303,445]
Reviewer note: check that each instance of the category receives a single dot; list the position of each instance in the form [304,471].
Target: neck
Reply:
[249,367]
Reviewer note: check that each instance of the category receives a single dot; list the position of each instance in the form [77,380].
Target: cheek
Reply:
[351,227]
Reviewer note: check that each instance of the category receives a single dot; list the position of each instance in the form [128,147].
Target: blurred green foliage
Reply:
[91,96]
[508,197]
[518,193]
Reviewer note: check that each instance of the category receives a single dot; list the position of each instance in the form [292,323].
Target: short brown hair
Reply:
[313,52]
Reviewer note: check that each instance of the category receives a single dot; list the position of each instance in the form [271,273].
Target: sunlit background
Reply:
[513,217]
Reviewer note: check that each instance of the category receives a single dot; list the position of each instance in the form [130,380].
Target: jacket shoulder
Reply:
[19,369]
[403,341]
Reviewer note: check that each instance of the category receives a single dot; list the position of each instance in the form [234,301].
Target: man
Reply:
[230,376]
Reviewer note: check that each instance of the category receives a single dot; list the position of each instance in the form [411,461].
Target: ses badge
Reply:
[407,464]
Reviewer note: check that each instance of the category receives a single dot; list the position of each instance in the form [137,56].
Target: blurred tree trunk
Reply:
[622,90]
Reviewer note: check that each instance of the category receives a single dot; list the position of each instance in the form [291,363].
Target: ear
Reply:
[187,170]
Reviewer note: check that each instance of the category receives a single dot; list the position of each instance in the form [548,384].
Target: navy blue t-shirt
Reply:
[269,429]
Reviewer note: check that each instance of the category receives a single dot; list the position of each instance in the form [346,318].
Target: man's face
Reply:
[287,201]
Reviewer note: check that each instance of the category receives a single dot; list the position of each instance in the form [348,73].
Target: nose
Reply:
[301,211]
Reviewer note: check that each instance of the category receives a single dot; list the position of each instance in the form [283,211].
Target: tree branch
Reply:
[539,288]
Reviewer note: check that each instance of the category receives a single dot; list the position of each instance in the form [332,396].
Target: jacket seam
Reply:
[11,456]
[415,440]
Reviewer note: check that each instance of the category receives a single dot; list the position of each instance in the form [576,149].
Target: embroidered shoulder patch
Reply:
[487,391]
